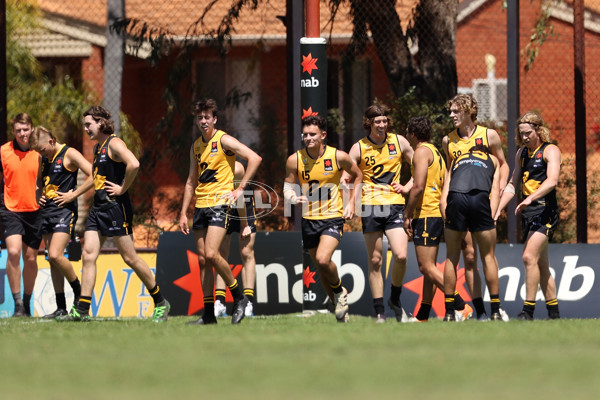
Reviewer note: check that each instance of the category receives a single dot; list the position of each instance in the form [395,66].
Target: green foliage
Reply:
[566,192]
[410,105]
[543,31]
[56,105]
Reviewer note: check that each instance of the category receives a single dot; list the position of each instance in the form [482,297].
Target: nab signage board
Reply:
[286,280]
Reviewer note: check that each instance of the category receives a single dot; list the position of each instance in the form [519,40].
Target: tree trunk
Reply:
[389,41]
[435,29]
[433,69]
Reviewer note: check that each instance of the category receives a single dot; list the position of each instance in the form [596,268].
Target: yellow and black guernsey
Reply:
[319,180]
[215,171]
[58,178]
[381,165]
[472,171]
[105,169]
[458,145]
[535,171]
[429,204]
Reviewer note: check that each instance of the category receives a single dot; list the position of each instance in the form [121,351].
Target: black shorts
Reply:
[26,224]
[235,219]
[211,216]
[469,211]
[380,218]
[58,219]
[313,229]
[111,219]
[427,231]
[541,219]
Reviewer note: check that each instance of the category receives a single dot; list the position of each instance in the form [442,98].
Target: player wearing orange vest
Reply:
[19,211]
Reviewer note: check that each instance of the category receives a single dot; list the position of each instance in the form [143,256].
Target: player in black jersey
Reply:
[114,170]
[60,164]
[469,202]
[537,167]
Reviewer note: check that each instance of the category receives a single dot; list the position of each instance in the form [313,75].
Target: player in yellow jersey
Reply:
[537,167]
[318,168]
[379,156]
[463,110]
[210,178]
[422,218]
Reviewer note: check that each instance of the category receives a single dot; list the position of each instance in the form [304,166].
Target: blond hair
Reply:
[537,123]
[35,136]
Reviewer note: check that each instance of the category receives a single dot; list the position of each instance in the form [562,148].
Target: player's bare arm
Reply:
[290,182]
[354,154]
[231,144]
[495,145]
[118,151]
[407,154]
[188,193]
[495,191]
[74,160]
[349,166]
[423,157]
[509,191]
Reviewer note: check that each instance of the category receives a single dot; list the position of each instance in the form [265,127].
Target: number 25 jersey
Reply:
[380,165]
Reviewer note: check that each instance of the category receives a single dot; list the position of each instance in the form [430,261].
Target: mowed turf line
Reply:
[290,357]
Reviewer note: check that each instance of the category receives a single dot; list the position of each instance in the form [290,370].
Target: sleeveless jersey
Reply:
[380,165]
[20,170]
[472,171]
[215,171]
[58,178]
[106,169]
[429,204]
[458,145]
[535,171]
[319,181]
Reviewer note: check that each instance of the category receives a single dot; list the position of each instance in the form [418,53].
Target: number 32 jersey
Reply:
[380,165]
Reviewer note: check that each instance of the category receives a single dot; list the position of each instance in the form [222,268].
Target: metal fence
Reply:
[248,76]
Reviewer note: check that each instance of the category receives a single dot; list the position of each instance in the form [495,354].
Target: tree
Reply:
[433,30]
[56,105]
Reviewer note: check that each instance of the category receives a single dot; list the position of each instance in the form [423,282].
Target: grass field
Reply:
[291,357]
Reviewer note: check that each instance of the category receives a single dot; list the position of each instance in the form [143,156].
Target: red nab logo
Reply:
[538,156]
[308,277]
[309,63]
[59,161]
[392,149]
[213,147]
[328,165]
[104,150]
[478,141]
[308,113]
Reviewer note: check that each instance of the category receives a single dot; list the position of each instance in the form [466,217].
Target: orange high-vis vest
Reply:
[20,170]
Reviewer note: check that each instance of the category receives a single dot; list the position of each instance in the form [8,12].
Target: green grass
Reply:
[289,357]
